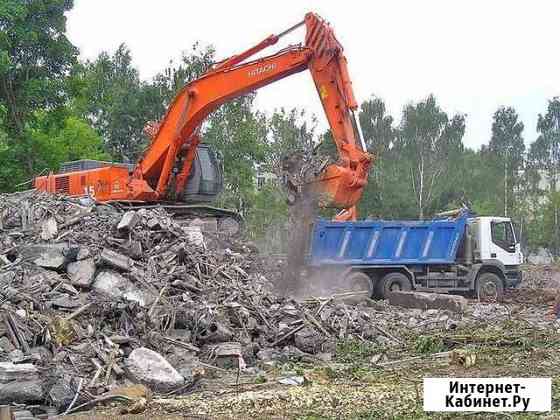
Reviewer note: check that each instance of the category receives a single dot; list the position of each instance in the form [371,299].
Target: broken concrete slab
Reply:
[292,380]
[22,392]
[114,259]
[207,224]
[67,302]
[47,256]
[23,371]
[194,235]
[153,370]
[422,300]
[82,272]
[128,221]
[115,285]
[228,355]
[49,229]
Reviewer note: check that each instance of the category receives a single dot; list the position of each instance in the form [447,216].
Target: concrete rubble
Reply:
[81,272]
[420,300]
[112,299]
[147,367]
[116,286]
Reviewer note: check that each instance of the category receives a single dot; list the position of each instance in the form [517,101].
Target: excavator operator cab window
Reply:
[207,166]
[206,178]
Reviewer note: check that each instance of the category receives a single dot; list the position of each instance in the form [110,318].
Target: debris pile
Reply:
[541,276]
[99,304]
[93,298]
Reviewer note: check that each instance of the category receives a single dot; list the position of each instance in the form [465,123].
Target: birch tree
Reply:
[379,134]
[544,156]
[544,153]
[507,143]
[427,138]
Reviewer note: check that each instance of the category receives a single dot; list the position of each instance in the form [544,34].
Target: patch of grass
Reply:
[353,351]
[328,372]
[426,344]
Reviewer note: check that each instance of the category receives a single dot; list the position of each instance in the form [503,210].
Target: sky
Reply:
[474,56]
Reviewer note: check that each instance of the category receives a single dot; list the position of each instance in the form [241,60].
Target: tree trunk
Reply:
[505,189]
[421,189]
[555,229]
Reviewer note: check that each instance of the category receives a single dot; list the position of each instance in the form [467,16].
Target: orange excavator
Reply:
[179,172]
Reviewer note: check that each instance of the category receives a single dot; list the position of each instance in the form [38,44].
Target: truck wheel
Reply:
[358,281]
[393,282]
[489,287]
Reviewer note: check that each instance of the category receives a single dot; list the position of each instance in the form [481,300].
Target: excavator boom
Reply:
[164,169]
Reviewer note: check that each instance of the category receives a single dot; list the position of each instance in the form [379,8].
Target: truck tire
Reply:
[358,281]
[393,282]
[489,286]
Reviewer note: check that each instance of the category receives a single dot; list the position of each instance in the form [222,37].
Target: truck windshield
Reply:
[503,236]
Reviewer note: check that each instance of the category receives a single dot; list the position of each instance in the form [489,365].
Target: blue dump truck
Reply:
[453,253]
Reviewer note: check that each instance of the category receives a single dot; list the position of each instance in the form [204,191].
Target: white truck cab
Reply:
[494,242]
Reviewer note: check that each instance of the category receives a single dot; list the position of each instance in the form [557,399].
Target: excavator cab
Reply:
[206,179]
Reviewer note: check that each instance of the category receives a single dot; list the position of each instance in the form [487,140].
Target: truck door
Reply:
[503,246]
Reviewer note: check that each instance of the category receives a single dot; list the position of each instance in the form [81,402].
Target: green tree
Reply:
[289,132]
[507,144]
[544,153]
[53,138]
[192,65]
[238,134]
[543,161]
[109,94]
[267,218]
[427,138]
[3,134]
[474,181]
[74,139]
[35,55]
[35,58]
[377,126]
[387,180]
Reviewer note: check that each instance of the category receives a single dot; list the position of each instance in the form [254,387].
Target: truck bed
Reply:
[382,242]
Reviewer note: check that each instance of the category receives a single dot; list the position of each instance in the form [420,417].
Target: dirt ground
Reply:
[517,338]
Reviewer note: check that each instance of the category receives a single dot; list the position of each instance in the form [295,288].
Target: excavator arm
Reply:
[166,164]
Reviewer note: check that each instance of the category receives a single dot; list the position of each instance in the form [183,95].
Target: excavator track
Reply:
[228,222]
